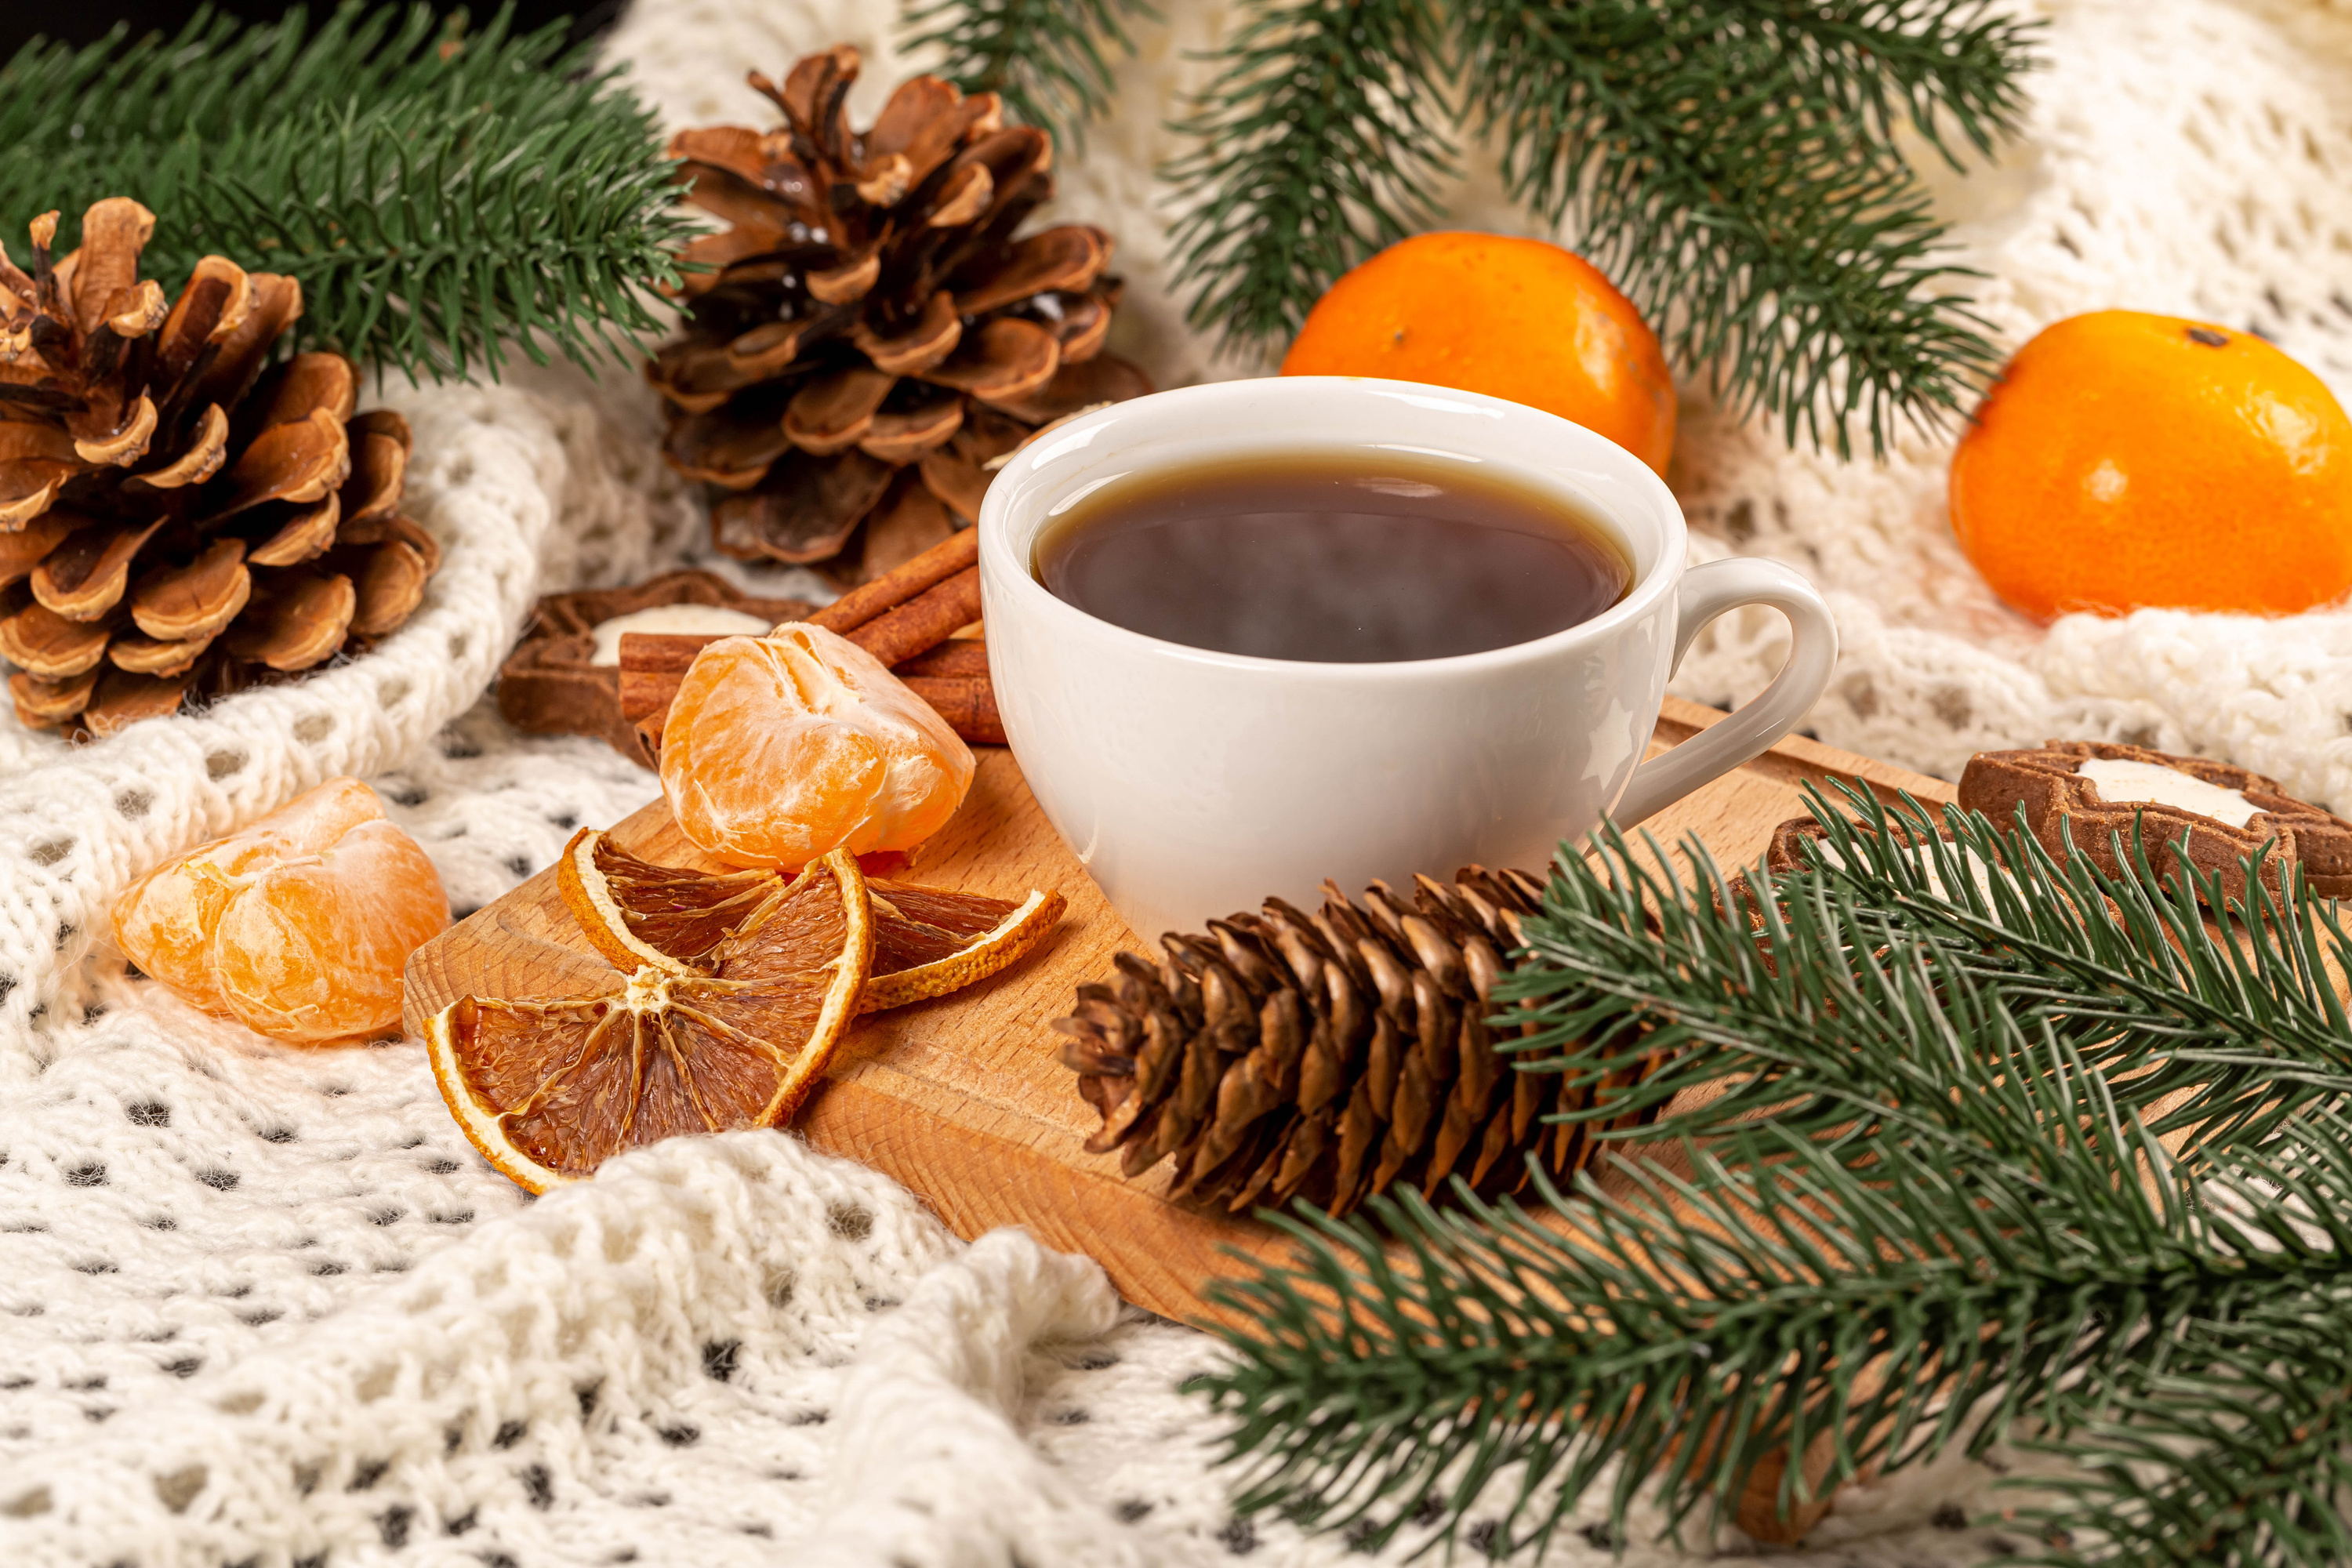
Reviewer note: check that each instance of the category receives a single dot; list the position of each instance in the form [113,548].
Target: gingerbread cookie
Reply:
[1784,853]
[564,677]
[2095,792]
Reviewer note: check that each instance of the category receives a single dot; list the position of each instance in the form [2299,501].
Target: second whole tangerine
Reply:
[1509,317]
[2126,460]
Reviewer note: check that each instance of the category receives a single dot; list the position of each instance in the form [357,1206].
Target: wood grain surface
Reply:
[963,1098]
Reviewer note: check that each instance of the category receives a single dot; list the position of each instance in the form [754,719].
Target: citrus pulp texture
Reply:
[781,749]
[2126,460]
[298,926]
[550,1090]
[1511,317]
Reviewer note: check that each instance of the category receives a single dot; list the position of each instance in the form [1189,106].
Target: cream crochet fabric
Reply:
[266,1306]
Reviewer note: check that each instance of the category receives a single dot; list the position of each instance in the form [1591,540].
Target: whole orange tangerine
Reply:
[2126,460]
[1512,317]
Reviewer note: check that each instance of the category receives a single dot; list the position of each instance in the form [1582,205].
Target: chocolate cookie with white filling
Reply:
[2096,794]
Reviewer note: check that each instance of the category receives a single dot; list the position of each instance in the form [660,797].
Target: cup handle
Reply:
[1708,590]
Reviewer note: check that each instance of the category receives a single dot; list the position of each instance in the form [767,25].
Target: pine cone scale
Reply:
[85,577]
[34,462]
[389,586]
[301,621]
[805,508]
[306,383]
[120,445]
[834,411]
[114,233]
[302,537]
[44,644]
[851,281]
[207,450]
[23,549]
[379,477]
[146,656]
[1067,259]
[195,601]
[909,436]
[932,338]
[240,346]
[305,460]
[216,301]
[51,701]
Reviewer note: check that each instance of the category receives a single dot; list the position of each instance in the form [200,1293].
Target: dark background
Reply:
[77,21]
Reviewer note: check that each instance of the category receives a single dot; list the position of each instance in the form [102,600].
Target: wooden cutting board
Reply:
[963,1098]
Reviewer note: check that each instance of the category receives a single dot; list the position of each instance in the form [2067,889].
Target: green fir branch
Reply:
[1049,59]
[1934,1202]
[1728,165]
[1731,165]
[2245,1464]
[439,194]
[2125,970]
[1320,140]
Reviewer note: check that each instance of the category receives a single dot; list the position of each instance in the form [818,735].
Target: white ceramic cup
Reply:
[1193,784]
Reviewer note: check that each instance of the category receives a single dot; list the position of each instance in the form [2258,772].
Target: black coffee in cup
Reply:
[1339,558]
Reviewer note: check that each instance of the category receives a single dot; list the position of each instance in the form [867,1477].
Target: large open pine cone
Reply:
[871,334]
[1327,1056]
[179,517]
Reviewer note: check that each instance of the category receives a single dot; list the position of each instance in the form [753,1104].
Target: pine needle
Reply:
[439,194]
[1320,141]
[1046,57]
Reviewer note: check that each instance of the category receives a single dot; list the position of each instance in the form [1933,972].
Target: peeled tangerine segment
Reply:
[742,925]
[782,748]
[299,925]
[550,1090]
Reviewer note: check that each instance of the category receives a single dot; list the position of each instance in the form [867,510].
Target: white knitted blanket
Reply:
[261,1305]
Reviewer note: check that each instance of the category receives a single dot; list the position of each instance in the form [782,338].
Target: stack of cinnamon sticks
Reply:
[908,618]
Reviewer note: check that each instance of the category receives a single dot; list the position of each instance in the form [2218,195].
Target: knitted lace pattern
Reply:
[265,1305]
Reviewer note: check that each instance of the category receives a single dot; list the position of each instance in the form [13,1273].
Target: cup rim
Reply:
[997,550]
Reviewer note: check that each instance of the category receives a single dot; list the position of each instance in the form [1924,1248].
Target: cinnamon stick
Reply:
[956,656]
[654,665]
[968,702]
[959,551]
[952,677]
[923,622]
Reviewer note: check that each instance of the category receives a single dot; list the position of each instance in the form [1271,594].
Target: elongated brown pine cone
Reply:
[872,334]
[180,517]
[1326,1055]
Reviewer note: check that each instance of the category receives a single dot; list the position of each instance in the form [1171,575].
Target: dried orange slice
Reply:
[635,912]
[550,1090]
[927,941]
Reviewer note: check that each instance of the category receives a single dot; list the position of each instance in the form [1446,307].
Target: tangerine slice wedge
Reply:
[550,1090]
[927,941]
